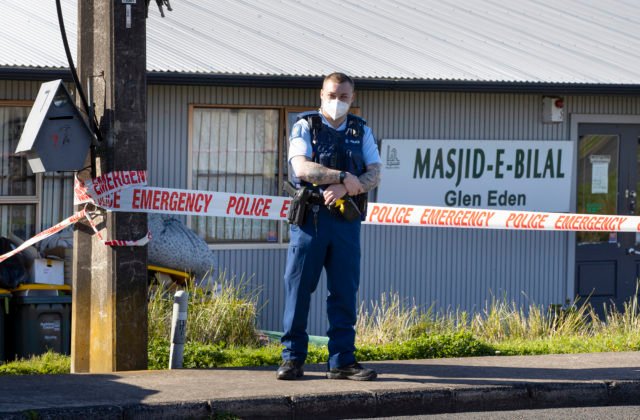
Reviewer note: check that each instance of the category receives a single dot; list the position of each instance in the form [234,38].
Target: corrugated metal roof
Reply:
[572,41]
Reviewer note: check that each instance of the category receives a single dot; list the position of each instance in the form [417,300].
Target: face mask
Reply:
[335,109]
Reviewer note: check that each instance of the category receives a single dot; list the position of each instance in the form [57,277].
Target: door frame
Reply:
[575,121]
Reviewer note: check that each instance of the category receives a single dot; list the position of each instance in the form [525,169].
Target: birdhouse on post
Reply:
[55,136]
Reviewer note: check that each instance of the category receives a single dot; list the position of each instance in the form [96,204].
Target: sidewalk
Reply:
[403,387]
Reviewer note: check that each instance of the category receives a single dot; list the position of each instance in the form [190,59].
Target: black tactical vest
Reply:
[341,150]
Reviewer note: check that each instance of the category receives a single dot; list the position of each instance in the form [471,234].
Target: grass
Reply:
[567,345]
[48,363]
[501,328]
[504,323]
[221,331]
[389,320]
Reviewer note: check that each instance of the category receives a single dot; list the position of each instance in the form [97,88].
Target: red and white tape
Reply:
[118,242]
[45,234]
[124,193]
[407,215]
[127,191]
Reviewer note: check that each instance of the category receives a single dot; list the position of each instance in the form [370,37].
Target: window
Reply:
[18,192]
[235,150]
[28,202]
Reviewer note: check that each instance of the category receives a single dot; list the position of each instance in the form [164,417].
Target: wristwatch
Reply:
[343,175]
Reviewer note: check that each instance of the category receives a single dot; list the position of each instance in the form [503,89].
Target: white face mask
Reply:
[335,108]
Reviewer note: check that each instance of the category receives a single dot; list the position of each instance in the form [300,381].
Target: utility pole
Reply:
[109,308]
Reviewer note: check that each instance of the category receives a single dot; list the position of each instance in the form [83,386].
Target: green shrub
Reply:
[48,363]
[202,356]
[455,344]
[158,354]
[197,355]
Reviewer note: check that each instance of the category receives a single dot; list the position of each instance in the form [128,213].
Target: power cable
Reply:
[74,74]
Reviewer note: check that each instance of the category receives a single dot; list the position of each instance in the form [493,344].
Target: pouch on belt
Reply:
[346,208]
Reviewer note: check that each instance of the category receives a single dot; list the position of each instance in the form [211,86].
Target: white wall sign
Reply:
[502,174]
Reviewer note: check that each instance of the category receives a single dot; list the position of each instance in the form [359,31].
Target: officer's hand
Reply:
[352,184]
[333,193]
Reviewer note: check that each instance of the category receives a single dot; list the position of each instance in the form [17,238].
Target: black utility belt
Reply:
[313,199]
[304,198]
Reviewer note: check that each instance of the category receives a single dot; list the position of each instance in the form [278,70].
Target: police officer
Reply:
[334,153]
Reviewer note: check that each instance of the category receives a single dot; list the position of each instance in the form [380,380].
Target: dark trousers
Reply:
[332,243]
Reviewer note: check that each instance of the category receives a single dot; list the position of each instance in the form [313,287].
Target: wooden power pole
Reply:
[109,308]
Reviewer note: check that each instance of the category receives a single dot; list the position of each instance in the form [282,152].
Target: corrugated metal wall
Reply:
[449,268]
[18,91]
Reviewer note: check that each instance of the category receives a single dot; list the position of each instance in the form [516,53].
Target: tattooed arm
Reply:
[320,175]
[371,178]
[314,172]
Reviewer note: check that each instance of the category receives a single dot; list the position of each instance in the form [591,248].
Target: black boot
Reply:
[289,370]
[354,371]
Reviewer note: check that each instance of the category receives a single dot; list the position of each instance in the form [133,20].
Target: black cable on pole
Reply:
[72,68]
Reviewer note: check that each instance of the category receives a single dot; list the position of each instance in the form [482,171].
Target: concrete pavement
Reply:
[403,387]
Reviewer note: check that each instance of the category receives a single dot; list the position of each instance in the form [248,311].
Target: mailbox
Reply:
[55,136]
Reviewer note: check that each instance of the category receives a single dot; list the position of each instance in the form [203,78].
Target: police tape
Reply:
[88,192]
[82,214]
[126,191]
[116,242]
[45,234]
[407,215]
[234,205]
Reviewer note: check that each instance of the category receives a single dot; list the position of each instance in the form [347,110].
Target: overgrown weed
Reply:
[502,320]
[392,320]
[222,331]
[222,311]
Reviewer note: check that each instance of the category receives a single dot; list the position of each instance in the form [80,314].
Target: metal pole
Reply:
[178,329]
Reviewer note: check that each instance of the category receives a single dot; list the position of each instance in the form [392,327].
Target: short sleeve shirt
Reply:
[300,141]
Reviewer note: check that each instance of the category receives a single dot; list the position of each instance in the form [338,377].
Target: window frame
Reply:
[35,199]
[279,244]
